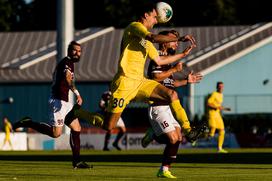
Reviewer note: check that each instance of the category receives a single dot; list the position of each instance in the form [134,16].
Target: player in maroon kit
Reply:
[59,105]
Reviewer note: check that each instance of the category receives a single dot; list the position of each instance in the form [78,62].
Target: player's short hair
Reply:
[144,7]
[166,32]
[72,44]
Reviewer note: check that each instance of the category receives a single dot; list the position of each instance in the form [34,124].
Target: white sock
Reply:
[164,168]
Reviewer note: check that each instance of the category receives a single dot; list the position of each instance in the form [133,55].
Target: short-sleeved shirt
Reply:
[60,87]
[129,82]
[215,99]
[135,50]
[214,115]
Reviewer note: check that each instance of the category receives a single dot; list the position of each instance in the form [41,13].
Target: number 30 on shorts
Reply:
[118,102]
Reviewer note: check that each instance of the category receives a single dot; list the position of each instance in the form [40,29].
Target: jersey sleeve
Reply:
[152,51]
[138,29]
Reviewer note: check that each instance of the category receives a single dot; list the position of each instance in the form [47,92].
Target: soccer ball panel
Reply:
[164,12]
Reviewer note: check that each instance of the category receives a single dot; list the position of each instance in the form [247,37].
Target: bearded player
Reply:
[59,105]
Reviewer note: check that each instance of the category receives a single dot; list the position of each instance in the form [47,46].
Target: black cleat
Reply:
[82,165]
[106,149]
[115,145]
[197,131]
[24,122]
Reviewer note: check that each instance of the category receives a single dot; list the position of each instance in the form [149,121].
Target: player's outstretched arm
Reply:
[155,38]
[160,76]
[225,108]
[164,60]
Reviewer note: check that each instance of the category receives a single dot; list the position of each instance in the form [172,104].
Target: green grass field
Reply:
[192,164]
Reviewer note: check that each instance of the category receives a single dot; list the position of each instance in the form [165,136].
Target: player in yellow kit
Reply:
[129,82]
[215,119]
[7,129]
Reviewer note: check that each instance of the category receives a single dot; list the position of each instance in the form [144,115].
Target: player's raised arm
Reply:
[160,76]
[157,38]
[164,60]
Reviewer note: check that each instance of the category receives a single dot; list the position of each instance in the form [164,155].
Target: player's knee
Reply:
[56,134]
[173,139]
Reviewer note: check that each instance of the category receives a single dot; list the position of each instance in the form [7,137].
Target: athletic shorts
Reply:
[216,121]
[120,123]
[125,89]
[58,109]
[162,119]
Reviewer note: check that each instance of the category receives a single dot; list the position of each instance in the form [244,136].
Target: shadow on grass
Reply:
[235,158]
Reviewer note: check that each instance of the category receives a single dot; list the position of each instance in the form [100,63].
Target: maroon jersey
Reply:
[60,87]
[154,68]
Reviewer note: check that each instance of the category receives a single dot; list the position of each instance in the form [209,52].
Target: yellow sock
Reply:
[180,115]
[94,119]
[212,131]
[221,137]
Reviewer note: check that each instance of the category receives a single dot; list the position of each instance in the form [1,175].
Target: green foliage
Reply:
[17,15]
[5,14]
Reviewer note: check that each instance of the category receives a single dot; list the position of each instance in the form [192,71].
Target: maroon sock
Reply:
[41,127]
[170,154]
[107,139]
[118,137]
[162,139]
[75,146]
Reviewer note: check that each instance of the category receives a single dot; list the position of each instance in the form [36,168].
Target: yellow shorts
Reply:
[216,121]
[125,89]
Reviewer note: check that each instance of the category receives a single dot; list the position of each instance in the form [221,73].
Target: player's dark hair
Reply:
[144,7]
[218,83]
[72,44]
[166,32]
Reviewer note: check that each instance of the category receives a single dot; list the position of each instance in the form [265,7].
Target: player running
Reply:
[59,105]
[7,129]
[214,116]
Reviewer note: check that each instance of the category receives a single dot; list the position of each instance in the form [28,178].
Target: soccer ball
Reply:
[164,12]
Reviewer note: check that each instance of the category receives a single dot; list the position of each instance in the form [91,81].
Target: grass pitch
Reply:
[192,164]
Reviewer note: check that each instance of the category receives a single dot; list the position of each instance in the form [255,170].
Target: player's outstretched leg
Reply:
[191,133]
[196,132]
[41,127]
[94,119]
[24,122]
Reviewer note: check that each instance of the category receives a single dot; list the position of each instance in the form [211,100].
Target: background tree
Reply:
[19,15]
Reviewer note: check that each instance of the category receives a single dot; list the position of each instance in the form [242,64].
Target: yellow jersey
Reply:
[135,50]
[7,128]
[215,99]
